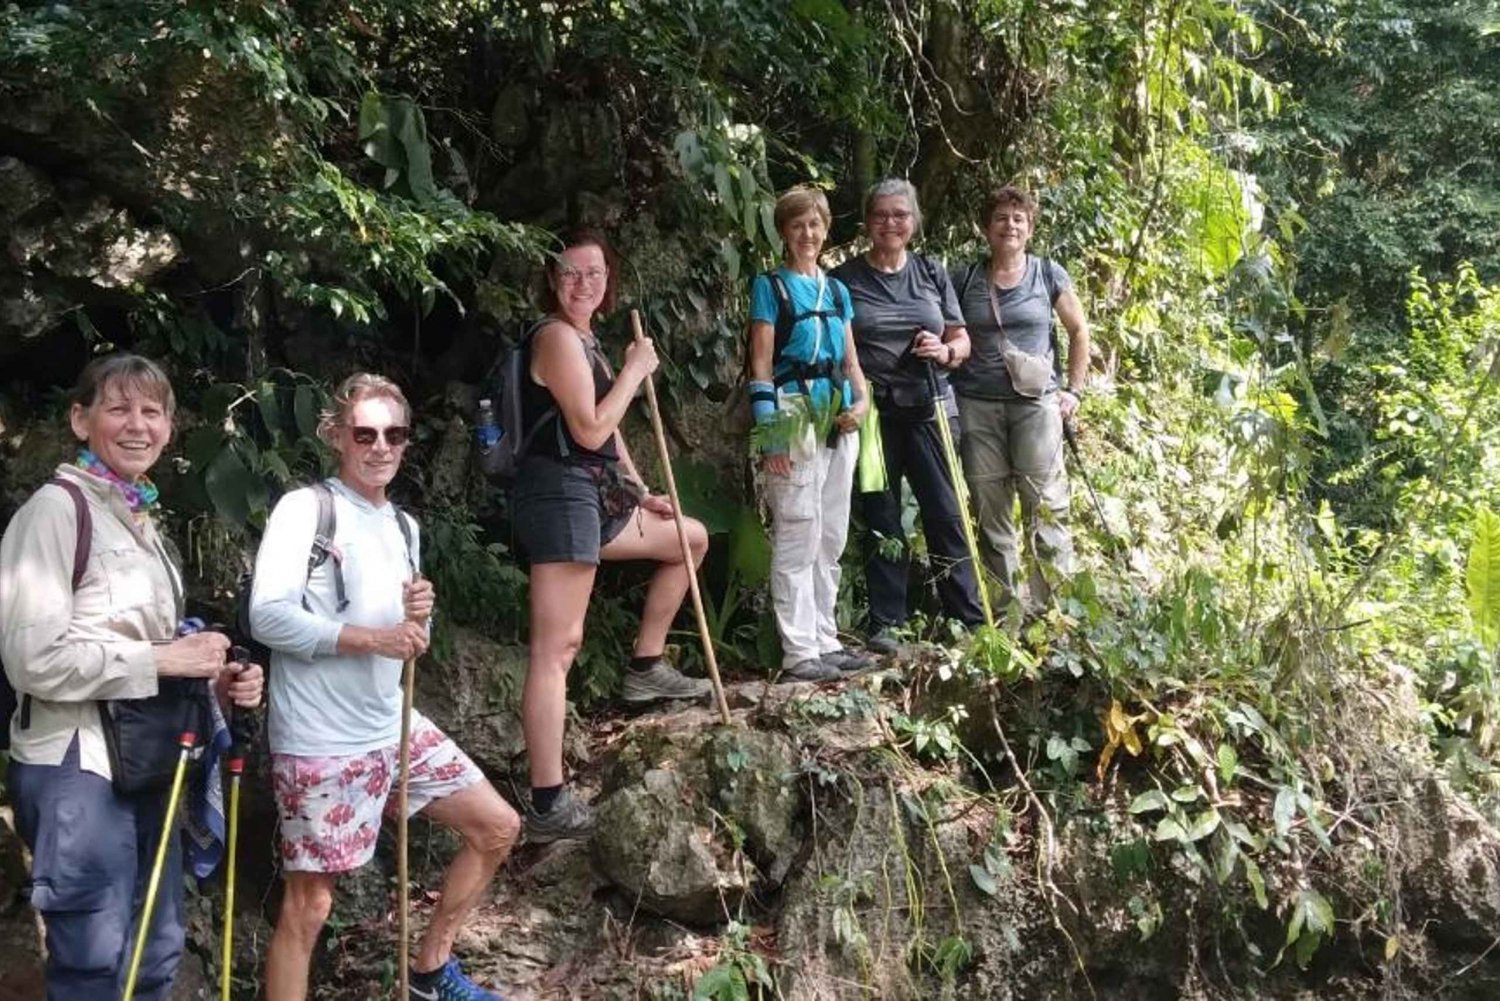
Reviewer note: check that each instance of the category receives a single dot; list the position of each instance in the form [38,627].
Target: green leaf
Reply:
[1205,824]
[233,489]
[305,408]
[1483,577]
[270,411]
[1284,811]
[983,880]
[1169,830]
[1151,799]
[1257,882]
[1228,762]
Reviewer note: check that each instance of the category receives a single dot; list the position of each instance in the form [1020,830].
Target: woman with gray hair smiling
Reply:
[910,335]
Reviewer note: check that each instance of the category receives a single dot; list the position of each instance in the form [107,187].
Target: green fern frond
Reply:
[1484,577]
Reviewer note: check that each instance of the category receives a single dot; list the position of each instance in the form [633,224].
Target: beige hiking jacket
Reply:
[67,649]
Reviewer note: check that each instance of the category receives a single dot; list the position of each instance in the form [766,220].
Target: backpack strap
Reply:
[403,521]
[1045,263]
[83,542]
[323,548]
[785,318]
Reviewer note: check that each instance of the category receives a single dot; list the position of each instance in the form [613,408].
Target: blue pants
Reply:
[92,851]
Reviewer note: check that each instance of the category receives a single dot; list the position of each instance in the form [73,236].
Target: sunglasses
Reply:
[395,436]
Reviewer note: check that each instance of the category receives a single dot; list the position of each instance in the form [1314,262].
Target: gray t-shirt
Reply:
[889,309]
[1026,311]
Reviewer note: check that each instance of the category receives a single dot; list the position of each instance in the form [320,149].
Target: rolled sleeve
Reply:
[47,655]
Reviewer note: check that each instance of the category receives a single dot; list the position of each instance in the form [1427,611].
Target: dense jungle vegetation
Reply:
[1284,219]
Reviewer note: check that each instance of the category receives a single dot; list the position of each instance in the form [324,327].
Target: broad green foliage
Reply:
[1483,577]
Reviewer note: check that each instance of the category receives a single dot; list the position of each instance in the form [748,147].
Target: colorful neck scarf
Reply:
[140,495]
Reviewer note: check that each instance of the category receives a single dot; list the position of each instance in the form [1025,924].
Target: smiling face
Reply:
[1009,229]
[125,426]
[890,223]
[368,469]
[579,280]
[804,235]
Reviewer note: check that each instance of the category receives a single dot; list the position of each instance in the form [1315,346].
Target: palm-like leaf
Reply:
[1484,577]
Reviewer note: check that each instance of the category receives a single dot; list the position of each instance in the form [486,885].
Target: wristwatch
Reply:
[951,355]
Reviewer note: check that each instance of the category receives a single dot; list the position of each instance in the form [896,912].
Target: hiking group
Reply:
[107,675]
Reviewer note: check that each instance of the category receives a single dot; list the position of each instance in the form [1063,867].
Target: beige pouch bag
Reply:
[1030,375]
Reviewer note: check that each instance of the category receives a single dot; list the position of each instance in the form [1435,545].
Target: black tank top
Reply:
[552,439]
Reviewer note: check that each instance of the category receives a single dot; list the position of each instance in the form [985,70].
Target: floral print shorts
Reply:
[330,808]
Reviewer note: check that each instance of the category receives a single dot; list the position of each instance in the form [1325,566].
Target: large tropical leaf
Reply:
[1484,577]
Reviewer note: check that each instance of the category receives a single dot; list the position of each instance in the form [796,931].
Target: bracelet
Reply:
[951,355]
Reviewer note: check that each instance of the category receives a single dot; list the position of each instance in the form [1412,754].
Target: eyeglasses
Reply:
[395,436]
[572,276]
[899,216]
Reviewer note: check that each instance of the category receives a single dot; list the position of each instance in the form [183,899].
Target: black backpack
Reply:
[506,381]
[321,552]
[786,319]
[83,542]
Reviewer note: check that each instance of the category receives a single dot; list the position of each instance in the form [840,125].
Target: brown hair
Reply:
[796,201]
[582,237]
[359,386]
[1004,198]
[128,370]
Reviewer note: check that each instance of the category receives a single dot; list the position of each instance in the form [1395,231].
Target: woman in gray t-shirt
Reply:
[1011,402]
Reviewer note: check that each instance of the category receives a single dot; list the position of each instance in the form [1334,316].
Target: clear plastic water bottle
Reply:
[486,429]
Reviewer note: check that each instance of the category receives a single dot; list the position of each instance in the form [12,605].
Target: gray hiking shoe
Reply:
[570,817]
[883,641]
[849,661]
[662,681]
[813,669]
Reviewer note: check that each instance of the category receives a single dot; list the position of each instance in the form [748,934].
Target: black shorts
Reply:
[565,512]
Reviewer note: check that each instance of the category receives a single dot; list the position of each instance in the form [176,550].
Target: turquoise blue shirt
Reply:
[813,339]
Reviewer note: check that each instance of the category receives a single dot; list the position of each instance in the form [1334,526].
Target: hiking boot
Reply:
[662,681]
[813,669]
[884,641]
[452,984]
[849,661]
[570,817]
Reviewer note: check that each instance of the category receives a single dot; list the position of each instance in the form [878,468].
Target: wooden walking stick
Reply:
[687,549]
[403,771]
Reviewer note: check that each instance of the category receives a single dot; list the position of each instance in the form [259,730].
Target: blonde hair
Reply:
[799,200]
[359,386]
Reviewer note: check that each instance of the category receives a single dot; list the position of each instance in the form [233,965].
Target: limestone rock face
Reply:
[692,821]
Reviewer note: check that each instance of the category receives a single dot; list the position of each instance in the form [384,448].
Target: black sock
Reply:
[542,797]
[428,979]
[644,663]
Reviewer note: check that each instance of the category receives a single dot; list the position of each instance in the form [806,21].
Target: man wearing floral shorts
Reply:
[340,615]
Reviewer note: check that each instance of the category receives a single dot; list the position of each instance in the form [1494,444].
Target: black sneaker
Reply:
[662,681]
[570,817]
[813,669]
[849,661]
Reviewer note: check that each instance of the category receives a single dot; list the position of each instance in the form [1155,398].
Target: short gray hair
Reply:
[891,187]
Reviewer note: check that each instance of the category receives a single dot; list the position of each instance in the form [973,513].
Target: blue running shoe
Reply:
[452,984]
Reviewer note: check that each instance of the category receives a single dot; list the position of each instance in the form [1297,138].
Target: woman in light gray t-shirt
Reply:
[1014,397]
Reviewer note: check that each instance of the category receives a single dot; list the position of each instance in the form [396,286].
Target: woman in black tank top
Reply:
[578,500]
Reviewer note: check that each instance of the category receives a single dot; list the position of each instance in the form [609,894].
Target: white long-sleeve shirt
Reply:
[324,703]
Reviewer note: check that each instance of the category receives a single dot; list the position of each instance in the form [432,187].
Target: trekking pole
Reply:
[960,490]
[687,550]
[185,743]
[239,727]
[403,913]
[1070,435]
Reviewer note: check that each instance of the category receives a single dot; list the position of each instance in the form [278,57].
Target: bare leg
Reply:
[305,904]
[489,828]
[559,601]
[655,538]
